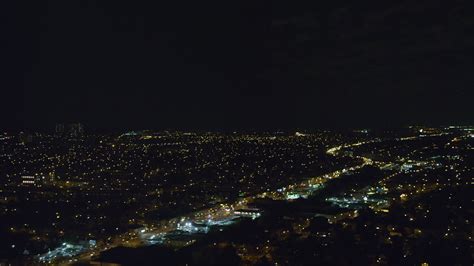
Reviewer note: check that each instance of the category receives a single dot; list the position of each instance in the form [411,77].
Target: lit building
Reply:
[249,213]
[25,138]
[76,130]
[59,129]
[30,181]
[192,227]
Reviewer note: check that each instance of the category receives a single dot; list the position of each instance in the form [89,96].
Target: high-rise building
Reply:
[59,129]
[76,130]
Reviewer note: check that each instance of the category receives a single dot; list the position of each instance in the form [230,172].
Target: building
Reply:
[75,130]
[25,138]
[31,181]
[59,129]
[248,213]
[192,227]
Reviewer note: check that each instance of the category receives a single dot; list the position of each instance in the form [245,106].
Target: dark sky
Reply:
[236,65]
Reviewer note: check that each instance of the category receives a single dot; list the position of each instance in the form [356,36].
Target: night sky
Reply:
[236,65]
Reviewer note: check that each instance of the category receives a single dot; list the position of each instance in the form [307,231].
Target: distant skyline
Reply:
[234,66]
